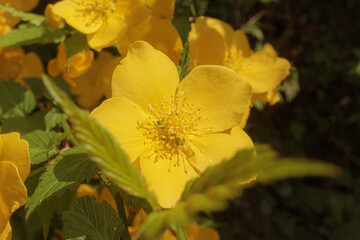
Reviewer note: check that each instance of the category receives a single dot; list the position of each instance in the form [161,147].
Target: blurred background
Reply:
[319,116]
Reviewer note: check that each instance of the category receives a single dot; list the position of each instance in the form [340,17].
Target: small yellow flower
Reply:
[173,131]
[14,168]
[103,21]
[7,21]
[77,66]
[15,64]
[53,19]
[157,30]
[95,83]
[215,42]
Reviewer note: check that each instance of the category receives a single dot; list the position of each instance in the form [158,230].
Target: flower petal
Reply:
[145,76]
[75,14]
[121,116]
[32,66]
[240,42]
[13,192]
[162,8]
[209,39]
[16,150]
[134,11]
[211,149]
[6,234]
[263,70]
[28,5]
[222,95]
[108,33]
[164,179]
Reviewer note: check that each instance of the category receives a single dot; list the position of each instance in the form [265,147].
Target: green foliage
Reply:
[74,45]
[54,118]
[28,34]
[102,147]
[24,125]
[291,85]
[227,180]
[15,100]
[27,17]
[43,145]
[70,169]
[184,61]
[92,219]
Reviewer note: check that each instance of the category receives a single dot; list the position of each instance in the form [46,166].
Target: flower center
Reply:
[233,59]
[170,128]
[94,10]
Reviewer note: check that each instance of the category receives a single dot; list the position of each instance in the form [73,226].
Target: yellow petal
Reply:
[108,33]
[16,150]
[32,66]
[52,68]
[163,178]
[105,75]
[245,117]
[12,192]
[162,8]
[272,97]
[121,116]
[222,95]
[211,149]
[6,234]
[28,5]
[10,62]
[86,190]
[134,11]
[145,76]
[53,19]
[264,71]
[240,42]
[79,64]
[209,39]
[77,15]
[107,196]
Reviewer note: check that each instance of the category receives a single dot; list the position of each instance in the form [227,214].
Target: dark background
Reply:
[322,41]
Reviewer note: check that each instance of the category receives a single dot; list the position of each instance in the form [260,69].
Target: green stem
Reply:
[192,8]
[68,131]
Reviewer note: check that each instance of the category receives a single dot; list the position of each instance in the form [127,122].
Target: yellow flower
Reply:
[7,21]
[105,194]
[103,21]
[95,83]
[215,42]
[157,30]
[15,64]
[53,19]
[77,66]
[173,131]
[14,168]
[192,231]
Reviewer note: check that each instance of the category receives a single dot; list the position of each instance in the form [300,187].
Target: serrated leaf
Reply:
[74,45]
[24,125]
[15,100]
[102,147]
[43,145]
[184,62]
[27,17]
[71,168]
[54,118]
[28,34]
[92,219]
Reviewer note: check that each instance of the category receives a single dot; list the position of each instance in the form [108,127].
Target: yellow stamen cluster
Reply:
[169,128]
[94,10]
[233,59]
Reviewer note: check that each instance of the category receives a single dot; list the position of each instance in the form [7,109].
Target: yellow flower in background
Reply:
[95,83]
[157,30]
[14,169]
[213,41]
[53,19]
[192,231]
[173,131]
[7,21]
[103,21]
[18,65]
[78,64]
[105,194]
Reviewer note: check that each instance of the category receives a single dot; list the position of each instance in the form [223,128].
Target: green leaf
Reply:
[15,100]
[254,30]
[24,125]
[43,145]
[28,34]
[92,219]
[54,118]
[102,147]
[291,86]
[27,17]
[184,62]
[71,168]
[74,45]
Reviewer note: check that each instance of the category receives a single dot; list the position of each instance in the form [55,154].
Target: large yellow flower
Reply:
[14,168]
[103,21]
[157,30]
[173,131]
[16,64]
[212,41]
[7,21]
